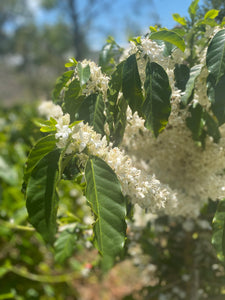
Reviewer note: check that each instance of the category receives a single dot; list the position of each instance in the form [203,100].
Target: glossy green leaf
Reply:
[44,146]
[179,19]
[131,84]
[84,73]
[180,31]
[211,14]
[218,237]
[181,74]
[109,55]
[169,36]
[106,57]
[61,83]
[65,245]
[92,112]
[190,85]
[215,57]
[115,85]
[201,123]
[107,202]
[120,121]
[216,94]
[116,108]
[157,106]
[195,122]
[73,99]
[41,197]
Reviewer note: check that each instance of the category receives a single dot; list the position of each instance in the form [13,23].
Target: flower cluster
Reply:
[49,109]
[178,162]
[145,190]
[148,48]
[188,171]
[98,82]
[171,173]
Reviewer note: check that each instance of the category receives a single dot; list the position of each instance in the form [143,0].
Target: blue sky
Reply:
[159,11]
[121,21]
[167,8]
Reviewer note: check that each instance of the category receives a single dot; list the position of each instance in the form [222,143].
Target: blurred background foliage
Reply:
[170,258]
[37,38]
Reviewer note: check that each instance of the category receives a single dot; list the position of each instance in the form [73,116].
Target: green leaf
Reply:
[216,94]
[181,74]
[72,99]
[168,49]
[41,197]
[211,14]
[153,29]
[120,122]
[210,22]
[195,122]
[108,56]
[135,40]
[49,125]
[116,108]
[104,194]
[212,127]
[179,19]
[131,84]
[61,83]
[92,112]
[44,146]
[169,36]
[65,245]
[84,73]
[115,85]
[201,123]
[180,31]
[190,86]
[157,106]
[72,63]
[215,57]
[193,9]
[218,236]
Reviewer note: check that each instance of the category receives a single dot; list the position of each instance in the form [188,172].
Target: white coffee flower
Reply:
[63,131]
[188,171]
[98,82]
[49,109]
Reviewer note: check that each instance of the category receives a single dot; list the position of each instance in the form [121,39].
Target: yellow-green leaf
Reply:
[169,36]
[211,14]
[179,19]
